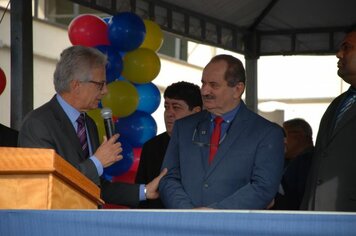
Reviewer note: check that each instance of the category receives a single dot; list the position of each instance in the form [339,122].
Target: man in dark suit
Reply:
[8,136]
[298,155]
[331,185]
[180,100]
[237,166]
[79,80]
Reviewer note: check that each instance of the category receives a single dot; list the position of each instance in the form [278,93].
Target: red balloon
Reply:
[88,30]
[2,81]
[137,154]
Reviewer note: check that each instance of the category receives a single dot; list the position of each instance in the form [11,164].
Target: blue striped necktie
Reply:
[345,107]
[82,135]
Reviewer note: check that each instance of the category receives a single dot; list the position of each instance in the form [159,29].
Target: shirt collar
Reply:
[70,111]
[228,116]
[352,90]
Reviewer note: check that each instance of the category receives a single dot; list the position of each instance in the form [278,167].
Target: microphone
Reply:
[106,113]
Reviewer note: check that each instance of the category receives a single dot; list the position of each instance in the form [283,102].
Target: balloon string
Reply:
[3,14]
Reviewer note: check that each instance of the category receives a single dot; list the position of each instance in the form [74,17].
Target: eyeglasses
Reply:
[100,85]
[204,144]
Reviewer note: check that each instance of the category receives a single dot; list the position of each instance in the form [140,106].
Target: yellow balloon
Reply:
[154,36]
[122,98]
[141,66]
[96,116]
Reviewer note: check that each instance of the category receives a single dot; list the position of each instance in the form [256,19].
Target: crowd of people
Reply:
[215,153]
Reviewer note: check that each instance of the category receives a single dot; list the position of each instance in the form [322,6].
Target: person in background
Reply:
[62,124]
[225,157]
[180,100]
[331,185]
[8,136]
[298,155]
[299,138]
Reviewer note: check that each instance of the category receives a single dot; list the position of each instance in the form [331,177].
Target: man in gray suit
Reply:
[79,80]
[237,166]
[331,185]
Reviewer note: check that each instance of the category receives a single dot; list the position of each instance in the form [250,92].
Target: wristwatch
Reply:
[145,192]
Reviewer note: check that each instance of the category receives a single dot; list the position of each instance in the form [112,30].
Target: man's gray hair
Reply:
[76,63]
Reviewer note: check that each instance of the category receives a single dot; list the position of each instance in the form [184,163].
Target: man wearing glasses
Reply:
[62,125]
[225,157]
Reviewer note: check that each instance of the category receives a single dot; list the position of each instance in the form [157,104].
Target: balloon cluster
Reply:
[130,44]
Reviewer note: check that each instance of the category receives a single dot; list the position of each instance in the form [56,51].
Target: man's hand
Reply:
[270,205]
[109,151]
[152,187]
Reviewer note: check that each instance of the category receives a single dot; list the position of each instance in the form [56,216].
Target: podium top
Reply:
[46,161]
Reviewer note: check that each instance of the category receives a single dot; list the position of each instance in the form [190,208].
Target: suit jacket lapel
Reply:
[347,117]
[334,109]
[201,137]
[65,124]
[92,133]
[233,133]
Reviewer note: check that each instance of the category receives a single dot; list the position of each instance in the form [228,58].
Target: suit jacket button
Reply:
[320,181]
[206,185]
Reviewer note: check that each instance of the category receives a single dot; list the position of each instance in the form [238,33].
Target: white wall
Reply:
[303,86]
[48,42]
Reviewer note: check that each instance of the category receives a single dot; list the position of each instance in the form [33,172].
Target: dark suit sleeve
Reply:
[120,193]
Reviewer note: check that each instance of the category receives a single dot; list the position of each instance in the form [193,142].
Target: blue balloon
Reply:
[126,31]
[123,165]
[137,128]
[149,97]
[115,64]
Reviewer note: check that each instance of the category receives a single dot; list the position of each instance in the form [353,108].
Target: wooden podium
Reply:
[33,178]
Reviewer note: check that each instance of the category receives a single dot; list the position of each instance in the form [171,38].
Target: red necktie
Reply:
[215,138]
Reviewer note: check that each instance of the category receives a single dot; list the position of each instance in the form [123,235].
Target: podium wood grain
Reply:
[34,178]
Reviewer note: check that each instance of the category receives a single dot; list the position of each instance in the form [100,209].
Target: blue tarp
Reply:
[145,222]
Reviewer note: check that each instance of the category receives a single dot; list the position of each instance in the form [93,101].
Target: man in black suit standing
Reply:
[180,100]
[331,185]
[62,125]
